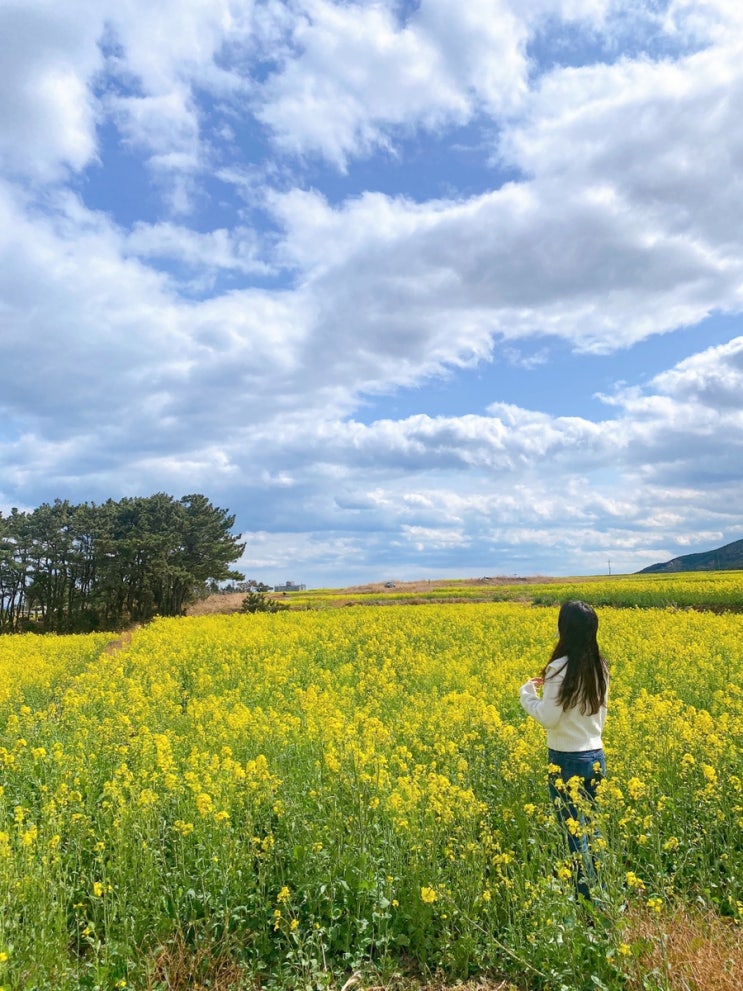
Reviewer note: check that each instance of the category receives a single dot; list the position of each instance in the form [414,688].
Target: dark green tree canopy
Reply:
[67,568]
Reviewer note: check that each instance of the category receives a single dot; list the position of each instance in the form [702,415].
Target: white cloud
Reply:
[166,126]
[355,72]
[128,366]
[67,69]
[510,440]
[713,378]
[73,312]
[426,539]
[355,76]
[47,113]
[703,20]
[161,45]
[654,139]
[158,57]
[626,228]
[669,464]
[435,284]
[203,253]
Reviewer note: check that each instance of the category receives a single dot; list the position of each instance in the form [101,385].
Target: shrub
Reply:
[258,602]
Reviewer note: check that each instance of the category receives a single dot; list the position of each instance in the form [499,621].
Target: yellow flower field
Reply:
[287,798]
[698,590]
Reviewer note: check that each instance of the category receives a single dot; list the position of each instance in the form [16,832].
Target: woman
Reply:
[572,708]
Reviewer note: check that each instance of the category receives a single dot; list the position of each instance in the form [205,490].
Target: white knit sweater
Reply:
[571,731]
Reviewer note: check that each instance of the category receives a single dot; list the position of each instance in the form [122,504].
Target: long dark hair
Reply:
[586,673]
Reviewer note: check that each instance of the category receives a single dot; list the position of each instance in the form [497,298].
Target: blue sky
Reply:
[415,289]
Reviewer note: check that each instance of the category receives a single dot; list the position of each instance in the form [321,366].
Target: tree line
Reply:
[68,568]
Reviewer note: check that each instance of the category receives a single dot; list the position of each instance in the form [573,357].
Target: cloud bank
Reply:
[219,272]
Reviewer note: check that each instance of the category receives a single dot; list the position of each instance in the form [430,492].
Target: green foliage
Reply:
[259,602]
[67,568]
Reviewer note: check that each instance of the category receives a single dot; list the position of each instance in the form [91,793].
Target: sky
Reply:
[414,289]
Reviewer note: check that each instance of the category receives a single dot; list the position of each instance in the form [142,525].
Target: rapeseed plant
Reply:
[309,793]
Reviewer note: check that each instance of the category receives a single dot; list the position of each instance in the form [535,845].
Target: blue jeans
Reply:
[581,765]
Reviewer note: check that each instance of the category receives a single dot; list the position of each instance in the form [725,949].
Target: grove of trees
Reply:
[68,568]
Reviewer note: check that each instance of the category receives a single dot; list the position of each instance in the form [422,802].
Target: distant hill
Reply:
[727,558]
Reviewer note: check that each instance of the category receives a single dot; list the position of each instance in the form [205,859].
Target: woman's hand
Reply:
[537,682]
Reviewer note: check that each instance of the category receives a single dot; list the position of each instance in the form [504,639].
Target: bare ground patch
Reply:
[687,950]
[229,602]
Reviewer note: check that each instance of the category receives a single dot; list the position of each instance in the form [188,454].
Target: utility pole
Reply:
[609,565]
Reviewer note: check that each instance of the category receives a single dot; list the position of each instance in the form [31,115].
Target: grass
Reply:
[681,950]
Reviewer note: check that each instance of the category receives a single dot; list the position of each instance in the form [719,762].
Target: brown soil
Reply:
[120,642]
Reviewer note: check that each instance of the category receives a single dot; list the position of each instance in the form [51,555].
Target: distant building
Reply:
[289,587]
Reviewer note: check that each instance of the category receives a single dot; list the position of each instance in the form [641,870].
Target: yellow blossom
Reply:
[636,788]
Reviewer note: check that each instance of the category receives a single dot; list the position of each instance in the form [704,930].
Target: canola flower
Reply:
[329,789]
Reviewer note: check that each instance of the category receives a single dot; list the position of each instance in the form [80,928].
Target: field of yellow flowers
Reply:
[280,800]
[715,590]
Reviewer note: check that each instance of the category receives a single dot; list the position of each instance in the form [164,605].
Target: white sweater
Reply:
[571,731]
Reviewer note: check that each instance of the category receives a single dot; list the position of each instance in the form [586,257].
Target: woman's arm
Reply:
[546,710]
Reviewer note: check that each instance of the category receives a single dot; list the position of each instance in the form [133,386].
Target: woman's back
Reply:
[572,729]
